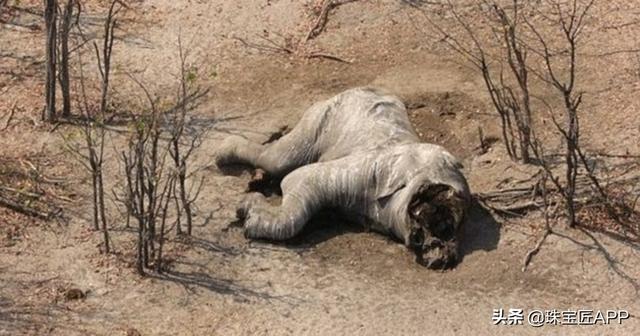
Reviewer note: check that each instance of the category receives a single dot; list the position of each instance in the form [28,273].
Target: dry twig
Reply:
[10,117]
[26,210]
[321,20]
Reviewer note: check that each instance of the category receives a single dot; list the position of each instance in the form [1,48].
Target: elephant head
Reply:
[436,212]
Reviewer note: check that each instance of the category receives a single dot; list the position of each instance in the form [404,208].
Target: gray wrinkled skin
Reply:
[356,152]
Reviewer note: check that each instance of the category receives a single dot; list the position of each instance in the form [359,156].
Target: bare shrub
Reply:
[90,152]
[92,126]
[508,90]
[152,183]
[147,186]
[156,166]
[560,71]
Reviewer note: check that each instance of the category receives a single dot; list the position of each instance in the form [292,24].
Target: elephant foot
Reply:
[264,183]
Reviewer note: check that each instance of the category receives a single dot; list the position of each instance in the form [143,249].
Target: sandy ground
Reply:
[335,279]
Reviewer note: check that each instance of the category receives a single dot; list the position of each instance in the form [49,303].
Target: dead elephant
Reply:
[357,152]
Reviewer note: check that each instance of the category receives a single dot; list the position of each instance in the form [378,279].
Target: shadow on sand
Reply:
[191,280]
[202,275]
[480,231]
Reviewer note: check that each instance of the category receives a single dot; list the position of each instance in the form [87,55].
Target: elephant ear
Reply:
[390,177]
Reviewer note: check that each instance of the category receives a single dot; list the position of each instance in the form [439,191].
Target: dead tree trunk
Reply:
[65,28]
[142,259]
[93,128]
[183,198]
[103,216]
[107,48]
[179,160]
[166,198]
[571,137]
[50,18]
[181,155]
[94,182]
[517,60]
[152,187]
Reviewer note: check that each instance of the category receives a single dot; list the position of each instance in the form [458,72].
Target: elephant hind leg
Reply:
[238,150]
[265,221]
[277,159]
[280,157]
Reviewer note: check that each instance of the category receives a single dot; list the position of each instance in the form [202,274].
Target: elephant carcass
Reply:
[357,152]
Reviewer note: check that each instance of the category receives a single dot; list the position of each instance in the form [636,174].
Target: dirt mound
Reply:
[450,119]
